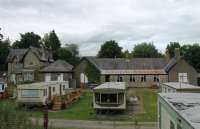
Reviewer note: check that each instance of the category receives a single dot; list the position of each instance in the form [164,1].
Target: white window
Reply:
[132,78]
[182,77]
[119,78]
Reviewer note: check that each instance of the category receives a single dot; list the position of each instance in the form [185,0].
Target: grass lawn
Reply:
[82,110]
[149,97]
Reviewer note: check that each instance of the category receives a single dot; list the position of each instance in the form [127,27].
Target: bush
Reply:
[10,118]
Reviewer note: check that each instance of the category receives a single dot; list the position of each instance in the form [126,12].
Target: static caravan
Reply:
[39,93]
[110,96]
[179,110]
[172,87]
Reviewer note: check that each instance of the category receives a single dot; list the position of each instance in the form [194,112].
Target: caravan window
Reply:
[30,93]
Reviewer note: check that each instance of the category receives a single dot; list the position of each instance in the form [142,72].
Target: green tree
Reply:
[73,48]
[4,51]
[1,35]
[171,48]
[28,39]
[145,50]
[127,54]
[52,41]
[110,49]
[65,54]
[192,55]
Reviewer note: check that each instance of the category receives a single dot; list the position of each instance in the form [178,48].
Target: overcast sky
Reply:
[89,23]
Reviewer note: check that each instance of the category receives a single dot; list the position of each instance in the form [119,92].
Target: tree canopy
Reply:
[110,49]
[52,41]
[28,39]
[171,48]
[192,54]
[4,51]
[1,35]
[145,50]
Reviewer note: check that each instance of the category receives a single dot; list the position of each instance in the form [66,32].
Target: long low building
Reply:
[136,72]
[110,96]
[172,87]
[179,110]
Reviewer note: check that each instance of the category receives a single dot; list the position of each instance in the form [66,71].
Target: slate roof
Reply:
[123,63]
[133,66]
[43,55]
[171,63]
[19,53]
[58,66]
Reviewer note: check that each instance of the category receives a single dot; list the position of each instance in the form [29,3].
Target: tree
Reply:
[73,48]
[52,41]
[127,54]
[110,49]
[171,48]
[65,54]
[28,39]
[145,50]
[191,54]
[1,35]
[4,51]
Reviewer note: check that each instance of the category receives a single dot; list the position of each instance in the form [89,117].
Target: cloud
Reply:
[89,23]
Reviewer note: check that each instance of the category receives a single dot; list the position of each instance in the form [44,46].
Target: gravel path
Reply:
[85,124]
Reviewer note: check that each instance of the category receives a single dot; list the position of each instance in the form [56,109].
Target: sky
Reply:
[89,23]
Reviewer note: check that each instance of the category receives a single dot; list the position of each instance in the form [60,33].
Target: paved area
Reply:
[85,124]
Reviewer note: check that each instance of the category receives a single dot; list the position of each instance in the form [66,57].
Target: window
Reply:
[30,93]
[28,76]
[132,78]
[119,78]
[172,126]
[107,78]
[143,78]
[156,79]
[182,77]
[45,92]
[63,87]
[53,89]
[54,77]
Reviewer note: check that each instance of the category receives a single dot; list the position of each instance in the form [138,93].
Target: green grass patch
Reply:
[82,109]
[149,98]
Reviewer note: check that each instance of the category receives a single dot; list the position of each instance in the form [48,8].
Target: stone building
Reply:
[137,72]
[24,64]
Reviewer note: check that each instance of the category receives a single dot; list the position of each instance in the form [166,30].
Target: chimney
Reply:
[43,52]
[167,56]
[177,53]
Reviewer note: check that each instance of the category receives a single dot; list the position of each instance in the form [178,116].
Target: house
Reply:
[39,93]
[179,110]
[58,71]
[136,72]
[172,87]
[110,96]
[23,64]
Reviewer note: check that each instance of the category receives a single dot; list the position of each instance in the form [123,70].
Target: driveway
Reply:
[85,124]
